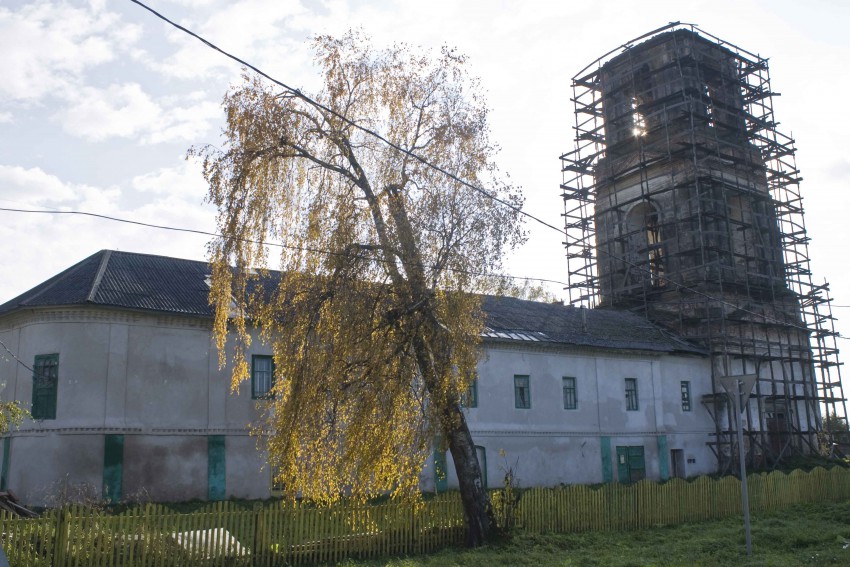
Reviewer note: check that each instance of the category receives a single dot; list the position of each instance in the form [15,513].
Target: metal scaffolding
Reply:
[682,201]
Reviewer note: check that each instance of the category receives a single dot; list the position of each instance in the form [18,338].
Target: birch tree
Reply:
[11,415]
[372,317]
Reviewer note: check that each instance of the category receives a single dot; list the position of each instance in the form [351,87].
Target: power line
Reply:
[274,244]
[128,221]
[18,360]
[378,259]
[320,106]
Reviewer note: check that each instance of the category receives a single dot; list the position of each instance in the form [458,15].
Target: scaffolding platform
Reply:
[682,201]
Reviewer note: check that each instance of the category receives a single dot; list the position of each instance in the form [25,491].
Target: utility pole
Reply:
[738,388]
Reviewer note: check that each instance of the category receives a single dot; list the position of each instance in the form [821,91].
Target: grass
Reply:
[815,534]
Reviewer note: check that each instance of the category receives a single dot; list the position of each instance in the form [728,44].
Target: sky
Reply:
[100,101]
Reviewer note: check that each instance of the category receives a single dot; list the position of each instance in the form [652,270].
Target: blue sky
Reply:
[100,100]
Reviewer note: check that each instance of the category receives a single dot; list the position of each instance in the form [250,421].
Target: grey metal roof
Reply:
[125,279]
[508,318]
[172,285]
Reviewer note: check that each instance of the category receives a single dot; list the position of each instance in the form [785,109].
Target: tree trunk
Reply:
[477,512]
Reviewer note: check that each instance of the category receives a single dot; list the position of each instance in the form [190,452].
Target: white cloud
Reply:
[126,111]
[258,31]
[185,180]
[176,211]
[185,122]
[97,5]
[97,199]
[263,20]
[192,3]
[6,118]
[50,240]
[170,196]
[192,60]
[34,187]
[47,47]
[119,110]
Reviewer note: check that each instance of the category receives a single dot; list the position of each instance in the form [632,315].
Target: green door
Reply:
[4,475]
[631,466]
[113,467]
[216,467]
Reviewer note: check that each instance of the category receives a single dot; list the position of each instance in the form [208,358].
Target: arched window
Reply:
[709,106]
[646,251]
[638,121]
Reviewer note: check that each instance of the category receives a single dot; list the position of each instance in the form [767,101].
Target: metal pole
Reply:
[735,387]
[745,495]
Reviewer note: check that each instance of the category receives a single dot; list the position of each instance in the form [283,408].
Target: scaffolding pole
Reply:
[682,201]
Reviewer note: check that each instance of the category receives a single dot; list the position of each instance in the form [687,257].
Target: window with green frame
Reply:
[570,398]
[631,394]
[262,376]
[522,392]
[45,384]
[686,395]
[469,399]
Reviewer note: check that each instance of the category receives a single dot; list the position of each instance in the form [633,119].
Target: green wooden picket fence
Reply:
[225,534]
[646,504]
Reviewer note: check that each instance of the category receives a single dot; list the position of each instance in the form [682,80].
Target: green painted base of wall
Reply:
[216,468]
[607,469]
[4,474]
[113,467]
[663,458]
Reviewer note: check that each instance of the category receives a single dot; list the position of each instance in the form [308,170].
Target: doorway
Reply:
[677,459]
[631,465]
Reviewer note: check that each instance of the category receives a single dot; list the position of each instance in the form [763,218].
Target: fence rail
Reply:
[224,533]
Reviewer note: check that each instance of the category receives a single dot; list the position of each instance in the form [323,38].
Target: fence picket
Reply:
[299,533]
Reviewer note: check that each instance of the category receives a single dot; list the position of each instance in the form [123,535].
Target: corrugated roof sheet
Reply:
[129,280]
[155,283]
[171,285]
[69,287]
[509,318]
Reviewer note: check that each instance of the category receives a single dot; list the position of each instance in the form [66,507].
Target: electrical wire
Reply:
[322,107]
[18,360]
[330,253]
[273,244]
[318,105]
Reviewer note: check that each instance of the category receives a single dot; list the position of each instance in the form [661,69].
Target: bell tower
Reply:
[682,202]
